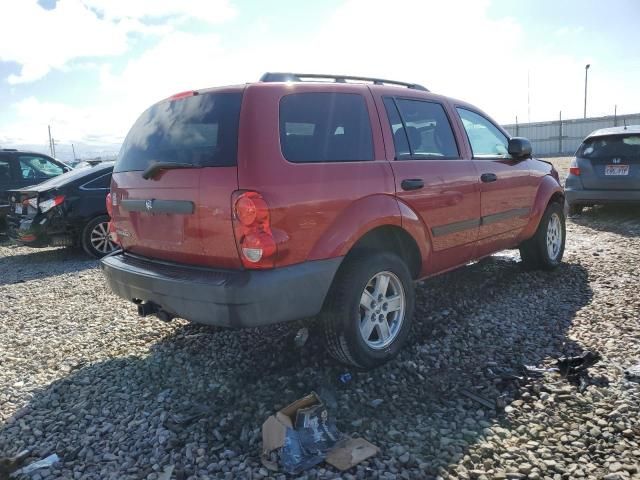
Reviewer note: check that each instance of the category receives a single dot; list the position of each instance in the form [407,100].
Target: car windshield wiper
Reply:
[153,169]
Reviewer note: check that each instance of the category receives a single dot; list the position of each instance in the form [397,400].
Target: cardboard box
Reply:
[303,436]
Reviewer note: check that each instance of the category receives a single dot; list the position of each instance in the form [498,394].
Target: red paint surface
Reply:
[319,210]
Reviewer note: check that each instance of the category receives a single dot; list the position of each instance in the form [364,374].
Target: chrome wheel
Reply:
[100,238]
[554,236]
[382,310]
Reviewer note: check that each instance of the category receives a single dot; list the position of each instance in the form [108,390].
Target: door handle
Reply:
[412,184]
[488,177]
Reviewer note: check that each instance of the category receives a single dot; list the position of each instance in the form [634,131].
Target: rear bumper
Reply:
[38,231]
[229,298]
[578,197]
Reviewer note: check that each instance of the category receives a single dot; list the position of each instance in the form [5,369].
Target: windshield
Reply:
[623,146]
[201,130]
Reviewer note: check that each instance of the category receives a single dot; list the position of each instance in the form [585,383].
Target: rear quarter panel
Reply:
[317,209]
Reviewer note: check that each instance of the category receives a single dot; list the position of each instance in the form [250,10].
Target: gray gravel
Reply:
[118,397]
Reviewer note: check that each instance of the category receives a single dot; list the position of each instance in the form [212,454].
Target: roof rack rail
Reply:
[300,77]
[9,149]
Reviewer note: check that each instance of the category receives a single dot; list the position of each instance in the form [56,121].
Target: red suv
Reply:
[304,195]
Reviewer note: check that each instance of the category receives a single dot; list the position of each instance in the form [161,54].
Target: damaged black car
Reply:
[68,210]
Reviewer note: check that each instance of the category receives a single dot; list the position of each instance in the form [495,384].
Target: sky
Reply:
[88,68]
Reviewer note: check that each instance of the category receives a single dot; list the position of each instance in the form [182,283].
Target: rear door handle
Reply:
[412,184]
[488,177]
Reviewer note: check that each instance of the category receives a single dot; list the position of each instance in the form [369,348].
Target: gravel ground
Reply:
[118,397]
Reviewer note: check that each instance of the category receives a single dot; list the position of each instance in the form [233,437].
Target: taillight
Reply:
[109,206]
[252,224]
[49,204]
[573,168]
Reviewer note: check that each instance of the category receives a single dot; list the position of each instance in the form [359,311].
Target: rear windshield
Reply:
[201,130]
[622,146]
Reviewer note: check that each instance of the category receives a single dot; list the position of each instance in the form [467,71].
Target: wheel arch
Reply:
[549,191]
[391,238]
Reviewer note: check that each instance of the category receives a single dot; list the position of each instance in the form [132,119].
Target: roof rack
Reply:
[9,149]
[300,77]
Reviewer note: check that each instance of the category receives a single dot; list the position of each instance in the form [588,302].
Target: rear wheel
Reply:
[95,237]
[545,249]
[367,316]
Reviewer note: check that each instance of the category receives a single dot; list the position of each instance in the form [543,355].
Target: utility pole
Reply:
[560,136]
[74,152]
[50,142]
[586,77]
[517,127]
[528,99]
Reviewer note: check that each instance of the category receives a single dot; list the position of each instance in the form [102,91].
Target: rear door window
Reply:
[325,127]
[201,130]
[612,146]
[37,168]
[421,130]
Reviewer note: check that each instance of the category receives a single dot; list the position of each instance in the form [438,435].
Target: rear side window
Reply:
[610,146]
[421,130]
[102,183]
[325,127]
[201,130]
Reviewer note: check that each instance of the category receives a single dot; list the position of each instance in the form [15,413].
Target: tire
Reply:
[91,235]
[575,209]
[343,312]
[545,249]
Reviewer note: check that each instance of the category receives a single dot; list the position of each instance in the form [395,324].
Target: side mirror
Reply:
[519,147]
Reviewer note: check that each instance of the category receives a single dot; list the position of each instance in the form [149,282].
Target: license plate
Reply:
[616,170]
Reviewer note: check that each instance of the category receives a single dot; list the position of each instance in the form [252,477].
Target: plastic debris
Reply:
[570,366]
[633,373]
[32,467]
[345,377]
[301,337]
[166,473]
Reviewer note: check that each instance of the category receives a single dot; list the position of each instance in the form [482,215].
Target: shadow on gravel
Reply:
[38,264]
[621,219]
[211,389]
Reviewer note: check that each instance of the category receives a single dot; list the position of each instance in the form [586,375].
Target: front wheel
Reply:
[545,249]
[95,239]
[367,315]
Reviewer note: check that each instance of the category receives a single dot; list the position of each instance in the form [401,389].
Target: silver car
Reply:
[606,169]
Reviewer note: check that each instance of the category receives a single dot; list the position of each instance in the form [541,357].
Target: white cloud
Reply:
[40,40]
[210,11]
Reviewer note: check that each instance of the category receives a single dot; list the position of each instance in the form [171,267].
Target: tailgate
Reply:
[185,216]
[180,209]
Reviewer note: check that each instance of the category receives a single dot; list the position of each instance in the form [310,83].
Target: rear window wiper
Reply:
[153,169]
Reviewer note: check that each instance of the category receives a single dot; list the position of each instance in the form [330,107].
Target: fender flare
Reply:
[363,216]
[548,187]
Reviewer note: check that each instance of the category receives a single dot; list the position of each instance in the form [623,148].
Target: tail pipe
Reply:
[149,308]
